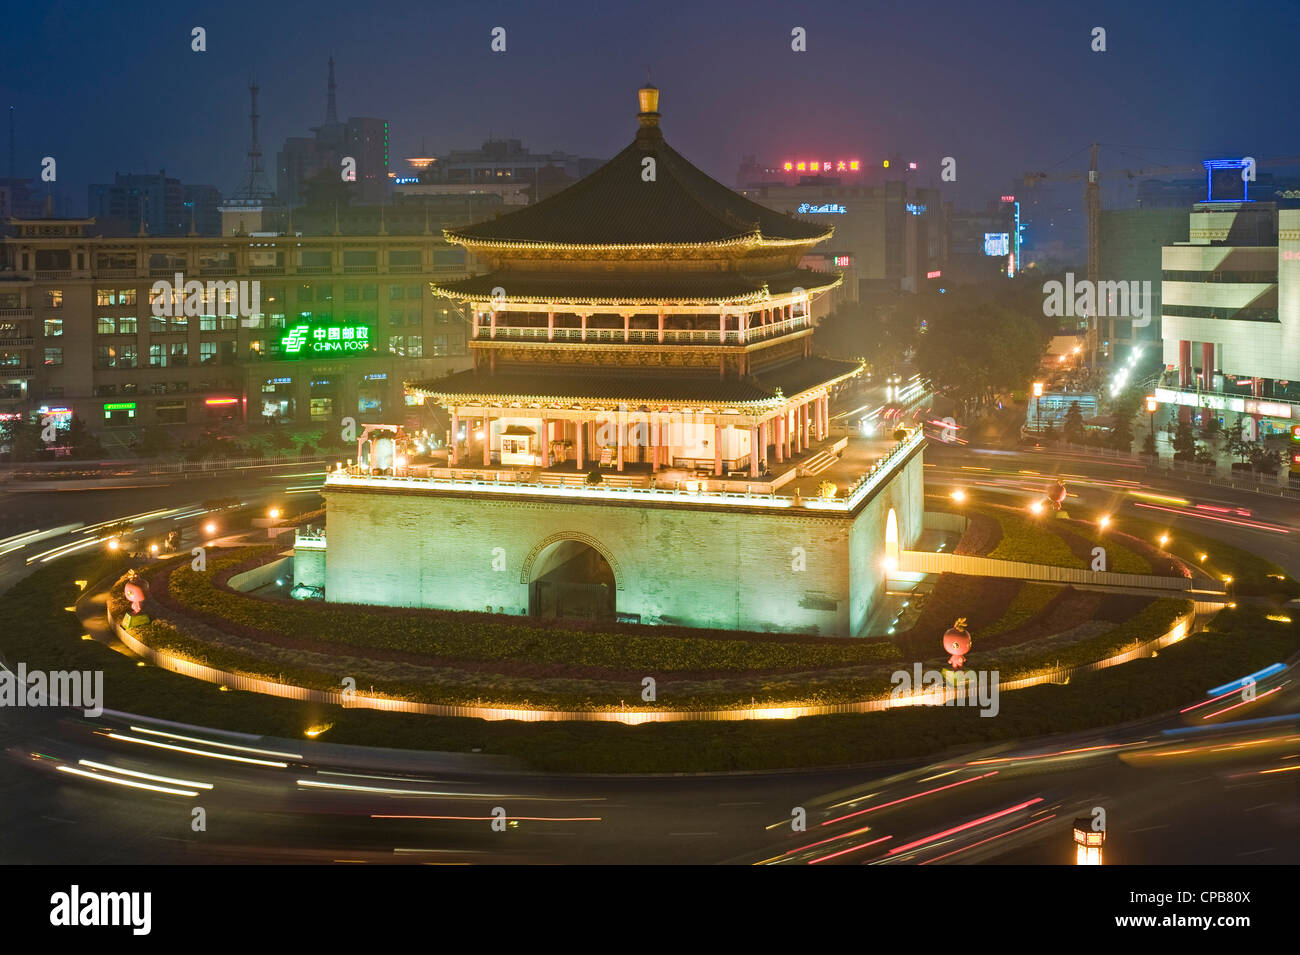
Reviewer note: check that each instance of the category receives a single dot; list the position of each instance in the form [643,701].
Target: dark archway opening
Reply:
[572,580]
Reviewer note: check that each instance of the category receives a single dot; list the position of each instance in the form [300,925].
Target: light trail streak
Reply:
[1001,835]
[1064,752]
[896,802]
[1254,525]
[198,752]
[138,775]
[490,818]
[966,825]
[1228,709]
[212,742]
[847,851]
[125,782]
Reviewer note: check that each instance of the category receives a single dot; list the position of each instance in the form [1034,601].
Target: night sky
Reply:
[1003,87]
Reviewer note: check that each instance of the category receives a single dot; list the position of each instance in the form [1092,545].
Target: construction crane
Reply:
[1091,177]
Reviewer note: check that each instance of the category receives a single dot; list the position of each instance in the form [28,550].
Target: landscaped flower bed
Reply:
[448,635]
[477,659]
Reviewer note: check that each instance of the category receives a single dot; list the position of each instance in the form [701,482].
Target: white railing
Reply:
[685,492]
[640,336]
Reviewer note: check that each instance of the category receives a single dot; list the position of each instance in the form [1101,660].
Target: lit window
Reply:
[54,356]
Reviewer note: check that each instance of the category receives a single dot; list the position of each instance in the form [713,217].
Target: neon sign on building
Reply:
[822,165]
[308,338]
[829,208]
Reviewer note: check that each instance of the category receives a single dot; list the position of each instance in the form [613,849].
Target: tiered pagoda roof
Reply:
[636,288]
[595,386]
[616,206]
[646,233]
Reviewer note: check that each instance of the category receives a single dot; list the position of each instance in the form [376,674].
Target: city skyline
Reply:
[946,101]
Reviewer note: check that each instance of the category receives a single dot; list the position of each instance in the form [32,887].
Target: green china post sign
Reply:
[314,338]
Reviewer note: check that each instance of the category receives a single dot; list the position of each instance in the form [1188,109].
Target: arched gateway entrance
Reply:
[571,579]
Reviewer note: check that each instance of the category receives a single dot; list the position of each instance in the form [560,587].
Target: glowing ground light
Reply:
[114,544]
[1104,521]
[209,528]
[1088,842]
[959,495]
[273,513]
[1036,507]
[1164,539]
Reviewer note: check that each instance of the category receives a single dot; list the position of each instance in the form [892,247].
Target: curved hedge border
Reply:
[468,636]
[1239,641]
[324,663]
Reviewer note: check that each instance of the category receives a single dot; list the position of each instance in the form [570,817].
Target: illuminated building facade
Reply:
[1230,314]
[79,334]
[645,434]
[888,236]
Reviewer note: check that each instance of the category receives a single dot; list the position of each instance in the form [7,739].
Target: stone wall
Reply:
[707,566]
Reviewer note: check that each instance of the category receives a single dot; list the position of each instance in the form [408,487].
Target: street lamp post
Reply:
[1152,404]
[1038,393]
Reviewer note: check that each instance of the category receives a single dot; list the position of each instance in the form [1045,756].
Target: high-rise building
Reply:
[153,204]
[1231,313]
[982,244]
[362,140]
[21,198]
[1132,244]
[506,162]
[888,236]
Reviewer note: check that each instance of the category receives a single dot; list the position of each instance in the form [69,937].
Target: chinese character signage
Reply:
[309,339]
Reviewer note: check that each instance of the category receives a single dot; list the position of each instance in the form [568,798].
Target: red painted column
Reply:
[717,449]
[1185,364]
[454,456]
[1207,365]
[753,452]
[546,443]
[580,432]
[487,440]
[654,445]
[620,438]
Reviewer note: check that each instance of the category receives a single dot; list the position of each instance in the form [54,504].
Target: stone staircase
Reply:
[819,462]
